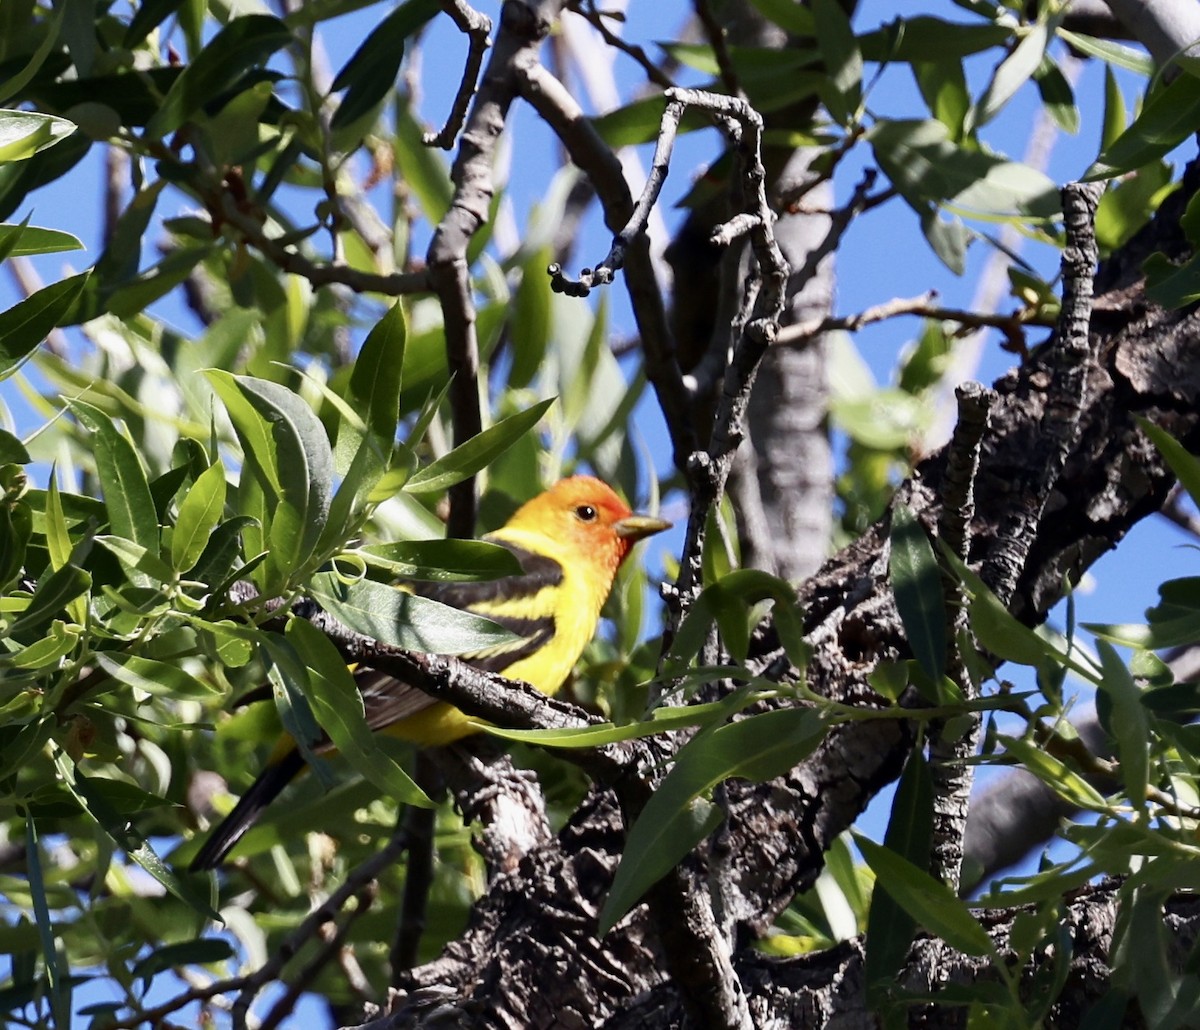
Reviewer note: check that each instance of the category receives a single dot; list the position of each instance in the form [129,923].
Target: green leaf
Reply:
[675,819]
[167,957]
[371,72]
[930,902]
[662,720]
[1127,57]
[1186,466]
[50,30]
[1128,723]
[293,461]
[199,514]
[290,687]
[1058,98]
[60,997]
[530,328]
[890,927]
[917,586]
[1063,780]
[25,133]
[242,44]
[787,14]
[338,707]
[31,239]
[394,617]
[477,453]
[842,92]
[154,677]
[926,166]
[26,324]
[1167,119]
[127,498]
[374,388]
[148,16]
[943,84]
[924,38]
[442,561]
[728,602]
[53,594]
[1170,285]
[1011,74]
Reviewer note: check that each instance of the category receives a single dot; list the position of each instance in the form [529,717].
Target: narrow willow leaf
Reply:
[730,597]
[24,133]
[371,71]
[154,677]
[400,619]
[243,43]
[662,720]
[843,61]
[23,240]
[374,391]
[122,833]
[290,685]
[131,511]
[199,514]
[293,461]
[478,452]
[756,748]
[442,561]
[1129,723]
[26,324]
[1186,466]
[930,902]
[60,998]
[917,586]
[891,927]
[1012,73]
[53,594]
[338,706]
[1167,119]
[1063,780]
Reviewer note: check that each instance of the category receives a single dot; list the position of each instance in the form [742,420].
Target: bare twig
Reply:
[333,941]
[921,307]
[562,113]
[356,881]
[288,260]
[715,34]
[1178,510]
[522,28]
[708,471]
[478,29]
[598,21]
[418,826]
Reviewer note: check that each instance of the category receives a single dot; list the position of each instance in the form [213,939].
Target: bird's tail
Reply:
[262,792]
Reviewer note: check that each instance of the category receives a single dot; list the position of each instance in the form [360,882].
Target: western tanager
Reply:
[569,541]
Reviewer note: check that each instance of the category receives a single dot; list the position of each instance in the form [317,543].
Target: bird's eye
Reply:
[585,513]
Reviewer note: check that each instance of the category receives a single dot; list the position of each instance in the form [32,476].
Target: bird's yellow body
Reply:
[570,541]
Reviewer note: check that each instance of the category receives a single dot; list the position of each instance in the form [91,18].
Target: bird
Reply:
[569,542]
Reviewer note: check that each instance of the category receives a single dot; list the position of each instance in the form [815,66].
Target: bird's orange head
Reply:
[587,517]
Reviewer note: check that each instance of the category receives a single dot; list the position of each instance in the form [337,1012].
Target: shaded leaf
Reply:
[477,453]
[338,707]
[675,818]
[400,619]
[917,586]
[28,322]
[930,902]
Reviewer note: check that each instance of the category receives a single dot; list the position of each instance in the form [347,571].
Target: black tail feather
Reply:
[262,792]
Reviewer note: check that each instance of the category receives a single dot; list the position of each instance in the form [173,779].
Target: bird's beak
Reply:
[638,527]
